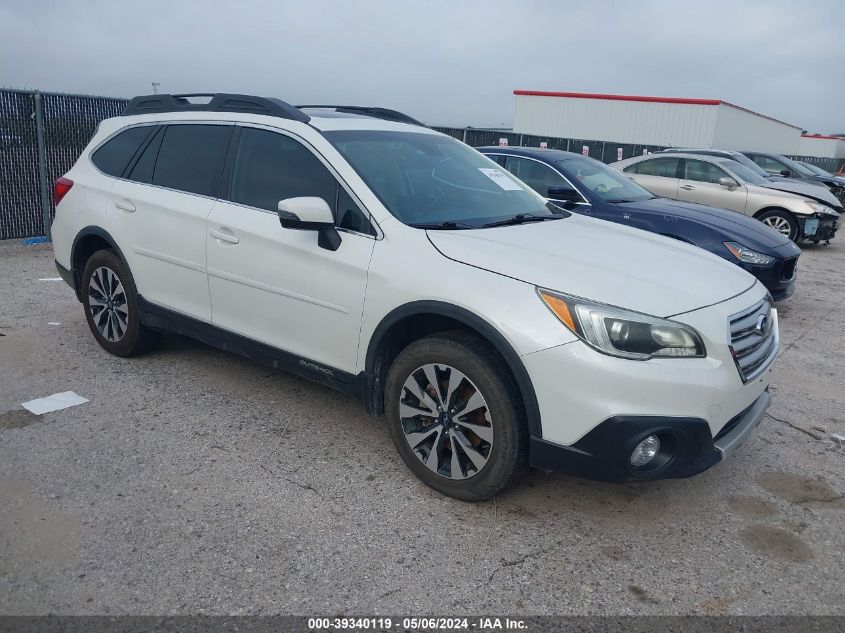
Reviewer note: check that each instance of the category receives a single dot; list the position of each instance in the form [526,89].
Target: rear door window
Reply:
[191,158]
[664,167]
[113,156]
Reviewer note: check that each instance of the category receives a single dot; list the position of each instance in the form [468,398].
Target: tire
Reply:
[110,300]
[781,221]
[487,435]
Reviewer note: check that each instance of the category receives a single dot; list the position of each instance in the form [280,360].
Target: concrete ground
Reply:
[195,481]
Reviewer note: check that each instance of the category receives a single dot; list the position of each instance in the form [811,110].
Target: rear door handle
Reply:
[687,187]
[125,205]
[223,236]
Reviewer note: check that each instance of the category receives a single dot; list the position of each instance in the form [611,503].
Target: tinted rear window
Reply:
[191,158]
[665,167]
[113,157]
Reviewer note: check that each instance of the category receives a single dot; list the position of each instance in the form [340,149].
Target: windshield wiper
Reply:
[521,218]
[441,226]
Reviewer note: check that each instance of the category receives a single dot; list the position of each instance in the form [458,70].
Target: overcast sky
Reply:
[452,62]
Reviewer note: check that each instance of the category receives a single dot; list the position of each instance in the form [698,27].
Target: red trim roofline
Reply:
[833,138]
[607,97]
[587,95]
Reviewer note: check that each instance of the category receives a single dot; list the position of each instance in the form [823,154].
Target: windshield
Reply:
[604,182]
[745,173]
[428,179]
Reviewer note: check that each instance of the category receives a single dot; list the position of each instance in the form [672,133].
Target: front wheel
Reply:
[781,221]
[454,415]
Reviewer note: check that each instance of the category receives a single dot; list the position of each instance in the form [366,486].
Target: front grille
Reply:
[787,272]
[754,339]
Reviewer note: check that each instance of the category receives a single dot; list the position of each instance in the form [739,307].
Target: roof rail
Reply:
[376,113]
[218,102]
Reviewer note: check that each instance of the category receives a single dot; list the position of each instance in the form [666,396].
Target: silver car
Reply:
[721,182]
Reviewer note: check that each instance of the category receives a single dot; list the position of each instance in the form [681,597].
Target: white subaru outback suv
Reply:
[358,248]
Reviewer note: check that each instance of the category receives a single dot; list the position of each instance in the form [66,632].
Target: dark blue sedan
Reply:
[589,187]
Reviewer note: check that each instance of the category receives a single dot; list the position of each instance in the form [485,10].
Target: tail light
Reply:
[61,188]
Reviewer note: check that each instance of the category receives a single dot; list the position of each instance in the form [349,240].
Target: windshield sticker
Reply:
[500,178]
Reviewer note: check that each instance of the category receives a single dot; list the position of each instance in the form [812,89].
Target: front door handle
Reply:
[687,187]
[223,236]
[125,205]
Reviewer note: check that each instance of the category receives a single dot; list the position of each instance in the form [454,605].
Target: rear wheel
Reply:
[781,221]
[111,306]
[455,417]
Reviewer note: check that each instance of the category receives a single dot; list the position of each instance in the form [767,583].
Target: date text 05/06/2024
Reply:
[481,624]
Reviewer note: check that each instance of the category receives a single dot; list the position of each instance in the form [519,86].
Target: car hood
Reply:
[818,192]
[733,225]
[598,260]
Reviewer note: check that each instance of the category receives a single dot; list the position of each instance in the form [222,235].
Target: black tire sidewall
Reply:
[128,344]
[487,372]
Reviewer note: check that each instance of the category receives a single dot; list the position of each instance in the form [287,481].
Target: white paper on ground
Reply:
[50,279]
[53,323]
[55,402]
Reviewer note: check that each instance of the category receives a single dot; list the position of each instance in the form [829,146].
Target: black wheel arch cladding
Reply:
[376,370]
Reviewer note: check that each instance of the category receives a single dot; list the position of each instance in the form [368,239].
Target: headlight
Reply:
[818,207]
[621,332]
[748,256]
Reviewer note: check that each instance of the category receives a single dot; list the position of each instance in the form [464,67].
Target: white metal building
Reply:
[822,146]
[665,121]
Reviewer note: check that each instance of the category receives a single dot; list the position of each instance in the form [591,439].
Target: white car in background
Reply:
[721,182]
[360,249]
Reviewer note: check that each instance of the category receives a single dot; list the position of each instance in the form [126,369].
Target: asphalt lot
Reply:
[195,481]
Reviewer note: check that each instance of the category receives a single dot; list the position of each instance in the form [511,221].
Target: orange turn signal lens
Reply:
[561,310]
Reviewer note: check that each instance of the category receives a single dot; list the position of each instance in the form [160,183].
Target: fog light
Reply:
[645,451]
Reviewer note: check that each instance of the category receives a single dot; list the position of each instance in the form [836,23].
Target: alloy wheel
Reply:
[446,421]
[779,224]
[107,301]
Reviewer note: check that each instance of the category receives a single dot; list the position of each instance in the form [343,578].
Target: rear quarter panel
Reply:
[83,206]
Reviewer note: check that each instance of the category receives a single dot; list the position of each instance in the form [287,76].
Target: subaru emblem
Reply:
[762,324]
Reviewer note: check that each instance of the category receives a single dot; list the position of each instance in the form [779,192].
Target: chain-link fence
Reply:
[605,151]
[20,201]
[42,134]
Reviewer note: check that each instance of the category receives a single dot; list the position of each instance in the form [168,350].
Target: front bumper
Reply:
[687,446]
[778,278]
[826,229]
[593,405]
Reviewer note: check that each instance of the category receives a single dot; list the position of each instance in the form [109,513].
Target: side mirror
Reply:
[310,214]
[785,172]
[730,183]
[564,194]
